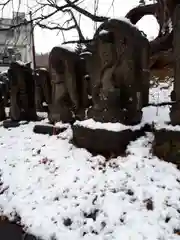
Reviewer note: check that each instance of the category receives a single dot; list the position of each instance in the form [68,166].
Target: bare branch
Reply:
[78,41]
[86,13]
[5,3]
[58,27]
[76,25]
[135,14]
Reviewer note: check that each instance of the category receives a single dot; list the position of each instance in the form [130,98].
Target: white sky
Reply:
[45,40]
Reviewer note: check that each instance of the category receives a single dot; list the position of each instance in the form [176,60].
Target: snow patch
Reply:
[103,32]
[115,127]
[63,192]
[22,63]
[43,69]
[85,53]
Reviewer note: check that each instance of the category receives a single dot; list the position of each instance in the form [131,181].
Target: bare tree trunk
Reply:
[32,39]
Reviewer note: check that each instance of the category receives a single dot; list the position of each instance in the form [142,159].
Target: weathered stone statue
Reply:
[120,78]
[2,108]
[67,73]
[175,95]
[43,89]
[22,97]
[5,87]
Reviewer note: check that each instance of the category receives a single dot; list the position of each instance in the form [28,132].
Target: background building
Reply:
[42,60]
[15,43]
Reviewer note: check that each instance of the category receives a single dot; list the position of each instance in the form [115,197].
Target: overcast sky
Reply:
[45,40]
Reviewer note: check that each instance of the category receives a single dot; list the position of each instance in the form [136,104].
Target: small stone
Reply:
[103,224]
[121,220]
[67,222]
[130,192]
[92,215]
[149,204]
[38,151]
[56,199]
[177,231]
[167,219]
[94,232]
[84,233]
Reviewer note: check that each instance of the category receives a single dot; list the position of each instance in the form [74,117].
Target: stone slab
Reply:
[47,129]
[166,145]
[105,142]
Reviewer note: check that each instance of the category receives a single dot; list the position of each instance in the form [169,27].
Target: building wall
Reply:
[42,60]
[3,68]
[16,39]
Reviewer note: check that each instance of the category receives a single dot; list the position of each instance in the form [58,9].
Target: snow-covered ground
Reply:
[64,193]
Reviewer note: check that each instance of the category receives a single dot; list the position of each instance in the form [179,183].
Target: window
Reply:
[10,33]
[6,60]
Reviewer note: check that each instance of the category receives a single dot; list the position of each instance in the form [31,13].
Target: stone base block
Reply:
[175,114]
[46,129]
[12,124]
[104,142]
[166,145]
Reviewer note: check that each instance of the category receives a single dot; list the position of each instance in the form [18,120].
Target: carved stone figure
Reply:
[175,95]
[2,108]
[43,89]
[5,87]
[22,97]
[120,82]
[67,73]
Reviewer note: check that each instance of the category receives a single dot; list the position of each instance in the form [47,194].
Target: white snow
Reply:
[158,94]
[115,127]
[102,32]
[161,92]
[21,63]
[49,182]
[3,72]
[85,53]
[43,69]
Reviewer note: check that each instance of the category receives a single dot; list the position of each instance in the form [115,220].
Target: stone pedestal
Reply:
[46,129]
[104,142]
[175,114]
[166,145]
[12,124]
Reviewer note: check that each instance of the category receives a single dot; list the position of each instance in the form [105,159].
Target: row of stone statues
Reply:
[117,66]
[108,81]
